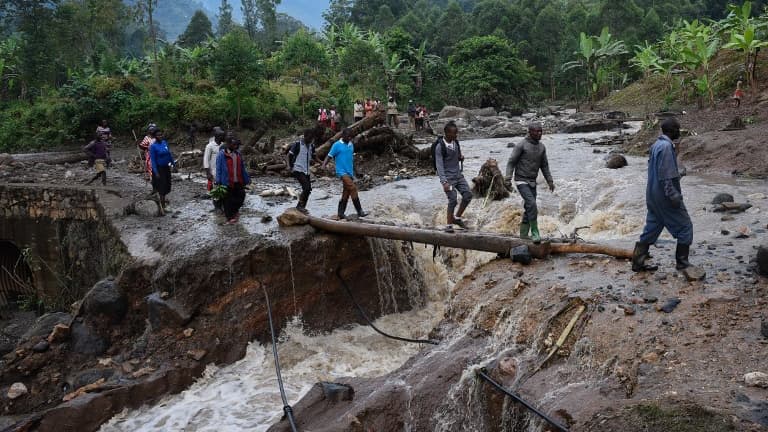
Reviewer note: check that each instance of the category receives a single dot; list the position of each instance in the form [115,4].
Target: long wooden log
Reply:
[357,128]
[486,242]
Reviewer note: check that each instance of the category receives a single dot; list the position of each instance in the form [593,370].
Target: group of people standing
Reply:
[225,170]
[418,116]
[331,119]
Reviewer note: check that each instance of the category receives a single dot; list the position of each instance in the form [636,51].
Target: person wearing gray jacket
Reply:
[528,157]
[448,159]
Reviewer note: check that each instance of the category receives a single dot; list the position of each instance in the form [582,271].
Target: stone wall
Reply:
[50,202]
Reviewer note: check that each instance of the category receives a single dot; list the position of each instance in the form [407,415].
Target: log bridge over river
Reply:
[471,240]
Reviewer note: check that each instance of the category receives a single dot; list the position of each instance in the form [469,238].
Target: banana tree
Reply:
[593,52]
[701,44]
[748,43]
[394,68]
[422,62]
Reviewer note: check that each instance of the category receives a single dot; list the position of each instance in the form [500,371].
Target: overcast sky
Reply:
[310,12]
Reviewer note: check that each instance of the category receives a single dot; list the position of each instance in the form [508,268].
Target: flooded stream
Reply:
[244,397]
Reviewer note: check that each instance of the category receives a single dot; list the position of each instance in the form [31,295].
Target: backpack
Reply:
[433,151]
[293,153]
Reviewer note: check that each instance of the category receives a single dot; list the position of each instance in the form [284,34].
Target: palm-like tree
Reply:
[593,53]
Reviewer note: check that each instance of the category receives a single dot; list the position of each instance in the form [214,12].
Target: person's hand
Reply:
[446,187]
[551,187]
[461,158]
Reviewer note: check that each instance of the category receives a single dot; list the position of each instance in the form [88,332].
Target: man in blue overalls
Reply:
[664,199]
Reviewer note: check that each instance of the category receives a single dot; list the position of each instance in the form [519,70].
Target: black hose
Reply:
[286,408]
[370,323]
[482,373]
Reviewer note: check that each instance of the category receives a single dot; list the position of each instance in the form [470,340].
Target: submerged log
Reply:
[486,242]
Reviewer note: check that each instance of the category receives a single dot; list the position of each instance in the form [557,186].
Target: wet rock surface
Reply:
[106,299]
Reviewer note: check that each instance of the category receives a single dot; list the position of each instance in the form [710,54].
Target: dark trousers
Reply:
[306,185]
[528,193]
[234,200]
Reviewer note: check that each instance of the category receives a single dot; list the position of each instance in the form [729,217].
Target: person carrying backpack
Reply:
[446,152]
[300,155]
[528,157]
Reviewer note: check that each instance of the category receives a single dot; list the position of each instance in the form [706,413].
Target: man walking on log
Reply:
[664,200]
[528,157]
[448,161]
[343,154]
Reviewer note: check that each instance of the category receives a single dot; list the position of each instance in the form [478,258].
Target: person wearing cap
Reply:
[664,202]
[392,113]
[209,159]
[412,114]
[528,157]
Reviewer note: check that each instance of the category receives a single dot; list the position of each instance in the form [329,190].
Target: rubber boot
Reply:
[342,209]
[359,207]
[302,205]
[524,230]
[535,236]
[639,255]
[681,256]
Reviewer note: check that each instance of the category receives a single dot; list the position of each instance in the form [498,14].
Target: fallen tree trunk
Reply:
[357,128]
[486,242]
[51,158]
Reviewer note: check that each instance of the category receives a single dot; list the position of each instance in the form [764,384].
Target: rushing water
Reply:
[243,396]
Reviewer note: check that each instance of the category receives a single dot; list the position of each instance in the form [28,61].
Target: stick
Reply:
[563,336]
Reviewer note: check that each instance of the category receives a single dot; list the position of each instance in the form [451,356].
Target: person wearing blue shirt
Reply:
[343,154]
[664,200]
[161,160]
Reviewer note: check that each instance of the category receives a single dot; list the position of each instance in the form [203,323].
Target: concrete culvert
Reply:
[15,274]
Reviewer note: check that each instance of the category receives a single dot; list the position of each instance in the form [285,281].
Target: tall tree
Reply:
[304,57]
[250,17]
[226,23]
[547,43]
[198,30]
[266,11]
[236,66]
[338,13]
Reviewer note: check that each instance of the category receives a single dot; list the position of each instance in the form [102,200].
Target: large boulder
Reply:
[106,299]
[484,112]
[44,325]
[87,341]
[488,121]
[508,130]
[166,313]
[722,198]
[616,161]
[454,112]
[591,125]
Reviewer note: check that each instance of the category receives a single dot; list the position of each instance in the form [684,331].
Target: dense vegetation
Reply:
[66,64]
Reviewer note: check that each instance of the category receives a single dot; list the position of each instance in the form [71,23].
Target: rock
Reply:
[197,354]
[86,341]
[508,130]
[143,372]
[189,332]
[591,125]
[488,121]
[165,313]
[334,393]
[762,260]
[727,218]
[106,299]
[628,310]
[764,326]
[266,219]
[450,111]
[722,198]
[756,197]
[694,273]
[752,379]
[521,254]
[59,334]
[650,357]
[41,346]
[17,390]
[483,112]
[292,217]
[90,376]
[669,306]
[731,207]
[743,232]
[44,324]
[616,161]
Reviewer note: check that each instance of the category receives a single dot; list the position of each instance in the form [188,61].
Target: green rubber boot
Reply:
[524,229]
[535,236]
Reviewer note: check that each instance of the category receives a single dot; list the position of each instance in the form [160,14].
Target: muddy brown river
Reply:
[244,397]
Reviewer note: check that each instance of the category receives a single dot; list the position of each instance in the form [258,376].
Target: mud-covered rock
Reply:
[106,299]
[616,161]
[165,313]
[694,273]
[451,112]
[762,261]
[731,207]
[521,254]
[507,130]
[44,325]
[89,376]
[334,392]
[86,341]
[722,198]
[484,112]
[17,390]
[41,346]
[591,125]
[756,379]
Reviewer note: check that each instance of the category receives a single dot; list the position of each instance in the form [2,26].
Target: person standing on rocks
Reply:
[209,159]
[448,161]
[664,202]
[300,156]
[343,154]
[392,113]
[231,173]
[98,151]
[528,157]
[412,114]
[162,162]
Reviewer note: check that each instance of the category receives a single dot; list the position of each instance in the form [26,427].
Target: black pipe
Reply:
[286,408]
[370,323]
[482,373]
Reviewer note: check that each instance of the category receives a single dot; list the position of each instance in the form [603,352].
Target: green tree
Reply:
[360,64]
[651,26]
[304,57]
[198,30]
[486,71]
[547,43]
[236,66]
[338,13]
[448,30]
[226,24]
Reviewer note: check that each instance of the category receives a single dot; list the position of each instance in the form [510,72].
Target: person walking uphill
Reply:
[664,201]
[231,173]
[528,157]
[448,160]
[300,156]
[343,154]
[162,161]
